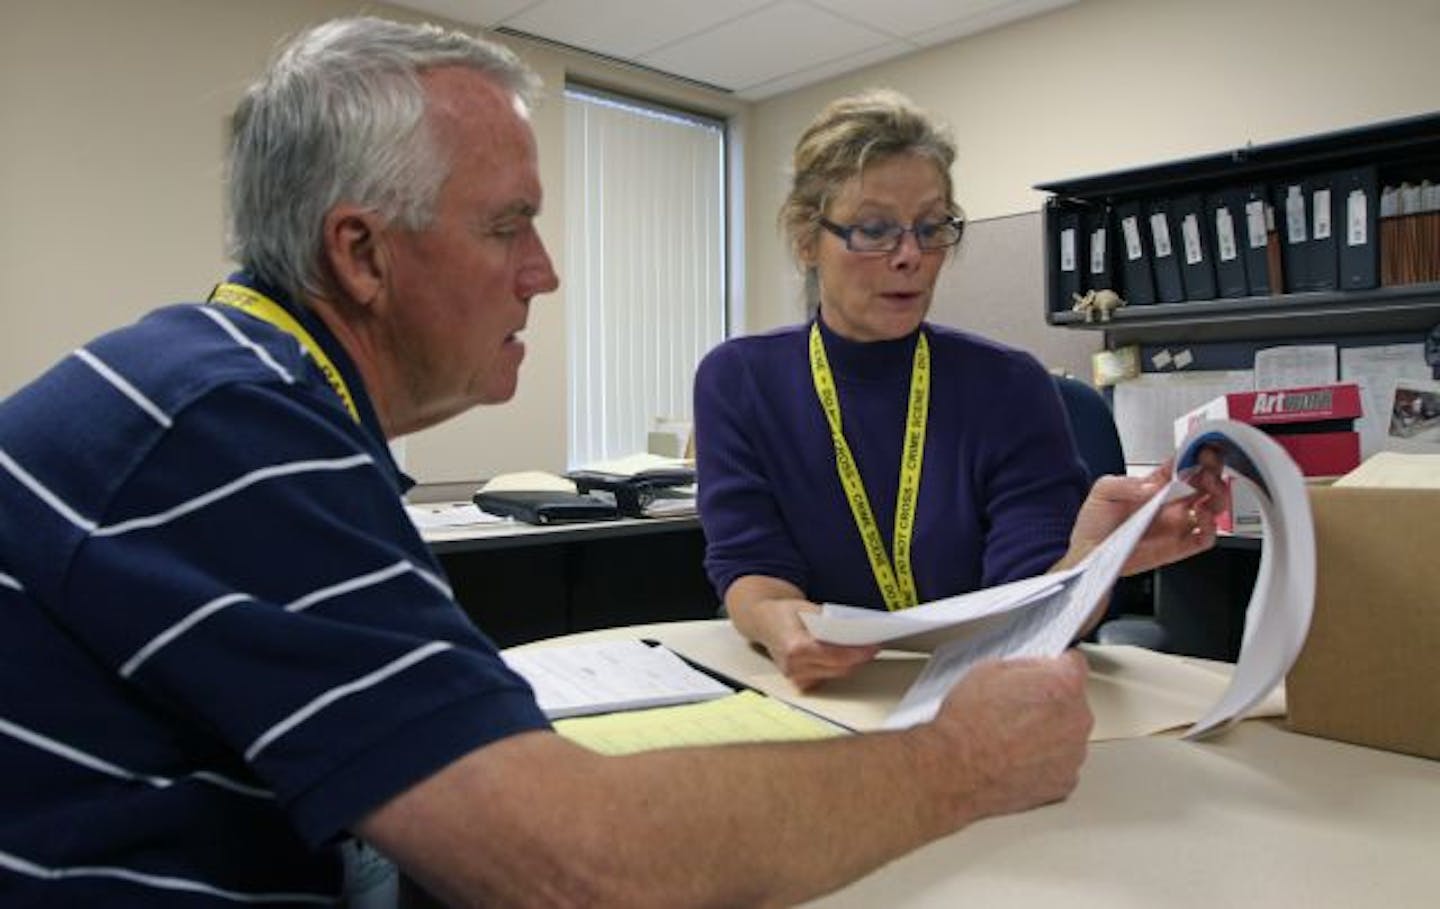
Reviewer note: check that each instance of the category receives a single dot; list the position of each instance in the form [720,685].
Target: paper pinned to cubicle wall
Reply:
[1044,619]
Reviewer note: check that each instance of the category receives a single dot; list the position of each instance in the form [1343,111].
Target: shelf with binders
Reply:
[1338,233]
[1397,309]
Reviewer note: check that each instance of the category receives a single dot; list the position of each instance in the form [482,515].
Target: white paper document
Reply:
[1041,616]
[613,675]
[449,514]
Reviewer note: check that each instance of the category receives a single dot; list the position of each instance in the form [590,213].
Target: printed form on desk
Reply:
[583,679]
[1042,616]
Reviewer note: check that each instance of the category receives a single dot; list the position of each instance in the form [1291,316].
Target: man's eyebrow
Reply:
[519,207]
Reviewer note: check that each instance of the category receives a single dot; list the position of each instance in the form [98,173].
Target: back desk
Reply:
[520,582]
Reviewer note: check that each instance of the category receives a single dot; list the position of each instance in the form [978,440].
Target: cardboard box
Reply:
[1315,424]
[1369,672]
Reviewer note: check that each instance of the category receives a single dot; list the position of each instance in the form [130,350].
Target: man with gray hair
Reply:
[228,659]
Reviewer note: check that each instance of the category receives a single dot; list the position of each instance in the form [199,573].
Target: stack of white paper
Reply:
[1041,616]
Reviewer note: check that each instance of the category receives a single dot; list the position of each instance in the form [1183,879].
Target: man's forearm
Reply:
[740,825]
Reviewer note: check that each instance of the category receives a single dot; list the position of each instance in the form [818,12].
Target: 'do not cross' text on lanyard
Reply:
[894,577]
[251,301]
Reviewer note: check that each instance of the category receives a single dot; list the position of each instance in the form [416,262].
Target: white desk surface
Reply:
[1255,817]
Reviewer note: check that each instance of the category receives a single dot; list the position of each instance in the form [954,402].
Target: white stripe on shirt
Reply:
[347,586]
[157,881]
[179,628]
[435,581]
[124,387]
[240,338]
[75,755]
[7,581]
[234,486]
[44,494]
[370,680]
[90,761]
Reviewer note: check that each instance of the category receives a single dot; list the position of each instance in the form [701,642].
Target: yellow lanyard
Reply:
[265,309]
[897,583]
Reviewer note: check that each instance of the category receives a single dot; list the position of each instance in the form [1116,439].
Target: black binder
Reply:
[1323,261]
[1255,236]
[1067,253]
[546,507]
[1225,220]
[1292,218]
[1133,250]
[1196,252]
[1357,213]
[1164,247]
[1100,250]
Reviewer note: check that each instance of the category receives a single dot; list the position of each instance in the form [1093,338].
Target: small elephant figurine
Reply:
[1097,305]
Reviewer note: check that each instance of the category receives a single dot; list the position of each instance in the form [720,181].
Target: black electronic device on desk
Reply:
[649,493]
[546,507]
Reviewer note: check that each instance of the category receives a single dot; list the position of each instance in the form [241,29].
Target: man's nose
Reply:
[537,275]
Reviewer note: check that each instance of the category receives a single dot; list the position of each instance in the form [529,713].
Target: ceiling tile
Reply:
[908,17]
[626,28]
[987,18]
[824,71]
[765,45]
[488,13]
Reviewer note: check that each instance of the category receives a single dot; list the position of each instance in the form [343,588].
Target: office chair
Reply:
[1130,617]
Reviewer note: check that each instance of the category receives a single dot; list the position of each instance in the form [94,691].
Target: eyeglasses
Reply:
[885,236]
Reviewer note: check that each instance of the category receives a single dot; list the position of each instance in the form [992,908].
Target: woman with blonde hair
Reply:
[869,457]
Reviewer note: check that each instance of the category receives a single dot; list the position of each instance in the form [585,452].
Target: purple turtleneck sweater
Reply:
[1000,486]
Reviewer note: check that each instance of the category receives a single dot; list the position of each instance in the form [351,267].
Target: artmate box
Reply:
[1316,424]
[1369,672]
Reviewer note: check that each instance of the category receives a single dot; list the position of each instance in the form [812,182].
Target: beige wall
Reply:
[112,115]
[112,119]
[1110,84]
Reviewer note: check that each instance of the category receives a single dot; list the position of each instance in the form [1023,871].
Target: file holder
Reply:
[633,493]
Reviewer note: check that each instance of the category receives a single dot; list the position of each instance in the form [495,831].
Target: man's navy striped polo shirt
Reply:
[221,640]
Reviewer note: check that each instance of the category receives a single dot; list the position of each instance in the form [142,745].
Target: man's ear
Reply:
[353,247]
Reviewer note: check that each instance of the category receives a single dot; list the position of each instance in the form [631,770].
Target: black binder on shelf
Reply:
[1134,254]
[1357,213]
[1255,235]
[1323,261]
[1292,219]
[1225,220]
[1164,247]
[1067,257]
[1100,249]
[1197,256]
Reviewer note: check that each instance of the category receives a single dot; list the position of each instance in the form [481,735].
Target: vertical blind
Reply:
[645,270]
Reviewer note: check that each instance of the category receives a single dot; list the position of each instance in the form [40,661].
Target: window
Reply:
[645,265]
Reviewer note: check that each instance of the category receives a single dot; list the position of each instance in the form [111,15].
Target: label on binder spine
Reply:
[1190,233]
[1255,223]
[1225,235]
[1161,232]
[1355,218]
[1321,206]
[1131,228]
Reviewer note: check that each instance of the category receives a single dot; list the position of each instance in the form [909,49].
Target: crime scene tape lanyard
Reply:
[265,309]
[896,580]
